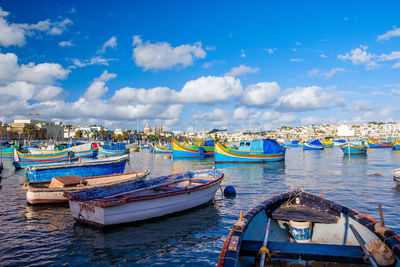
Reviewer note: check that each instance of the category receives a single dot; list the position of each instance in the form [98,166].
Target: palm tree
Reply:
[129,132]
[103,133]
[88,134]
[95,134]
[113,136]
[28,130]
[69,127]
[79,134]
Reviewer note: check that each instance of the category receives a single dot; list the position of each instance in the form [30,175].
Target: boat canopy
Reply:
[265,145]
[272,146]
[316,142]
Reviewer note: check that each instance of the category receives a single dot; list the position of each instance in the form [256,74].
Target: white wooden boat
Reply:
[396,175]
[53,191]
[145,199]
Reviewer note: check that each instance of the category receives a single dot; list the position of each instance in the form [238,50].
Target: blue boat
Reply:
[301,229]
[7,152]
[374,143]
[23,160]
[201,148]
[314,145]
[250,151]
[354,148]
[97,167]
[338,142]
[113,149]
[396,144]
[162,149]
[293,143]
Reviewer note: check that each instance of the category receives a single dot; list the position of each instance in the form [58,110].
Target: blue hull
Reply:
[396,147]
[85,169]
[308,147]
[24,164]
[92,153]
[224,158]
[353,151]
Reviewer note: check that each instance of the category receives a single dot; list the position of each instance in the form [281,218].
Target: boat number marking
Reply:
[87,207]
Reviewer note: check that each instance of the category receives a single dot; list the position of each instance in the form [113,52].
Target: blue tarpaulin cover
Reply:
[272,146]
[316,142]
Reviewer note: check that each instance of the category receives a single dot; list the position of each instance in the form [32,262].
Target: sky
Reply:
[200,64]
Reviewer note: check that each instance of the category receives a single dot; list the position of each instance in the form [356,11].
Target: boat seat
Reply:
[305,251]
[199,181]
[167,188]
[303,213]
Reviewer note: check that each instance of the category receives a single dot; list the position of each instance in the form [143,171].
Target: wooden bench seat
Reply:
[303,213]
[305,251]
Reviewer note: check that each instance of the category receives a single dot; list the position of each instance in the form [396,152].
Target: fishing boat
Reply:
[292,143]
[80,151]
[354,148]
[372,143]
[338,142]
[53,191]
[145,199]
[396,175]
[396,144]
[22,160]
[96,167]
[303,229]
[314,145]
[186,150]
[327,143]
[162,149]
[259,150]
[7,152]
[146,147]
[113,149]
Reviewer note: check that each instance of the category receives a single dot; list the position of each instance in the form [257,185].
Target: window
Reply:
[247,143]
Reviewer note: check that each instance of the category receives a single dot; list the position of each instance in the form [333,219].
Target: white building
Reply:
[345,131]
[55,130]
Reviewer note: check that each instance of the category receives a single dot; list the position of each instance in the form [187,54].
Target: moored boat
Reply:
[314,145]
[7,152]
[338,142]
[292,143]
[396,144]
[113,149]
[372,143]
[53,191]
[162,149]
[22,160]
[145,199]
[96,167]
[354,148]
[327,143]
[301,228]
[259,150]
[186,150]
[396,175]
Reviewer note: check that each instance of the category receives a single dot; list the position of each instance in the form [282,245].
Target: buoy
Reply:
[230,191]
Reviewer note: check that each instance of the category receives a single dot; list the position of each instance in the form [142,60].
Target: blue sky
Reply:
[212,64]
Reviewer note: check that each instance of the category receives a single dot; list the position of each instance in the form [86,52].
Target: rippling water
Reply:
[31,235]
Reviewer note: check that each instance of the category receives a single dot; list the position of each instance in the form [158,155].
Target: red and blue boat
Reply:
[203,148]
[250,151]
[354,148]
[373,143]
[314,145]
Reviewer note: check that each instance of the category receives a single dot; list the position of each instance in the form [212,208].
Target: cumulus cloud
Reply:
[15,34]
[277,118]
[316,121]
[210,90]
[48,93]
[98,60]
[242,69]
[98,87]
[161,55]
[308,98]
[155,95]
[65,44]
[112,42]
[328,74]
[261,94]
[333,71]
[395,55]
[389,34]
[360,56]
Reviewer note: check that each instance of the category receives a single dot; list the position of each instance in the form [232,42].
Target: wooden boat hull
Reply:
[352,149]
[161,149]
[227,154]
[98,167]
[375,144]
[24,164]
[331,239]
[107,152]
[396,175]
[40,193]
[43,156]
[185,150]
[90,153]
[7,152]
[135,206]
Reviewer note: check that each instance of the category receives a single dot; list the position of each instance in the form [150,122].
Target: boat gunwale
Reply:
[258,156]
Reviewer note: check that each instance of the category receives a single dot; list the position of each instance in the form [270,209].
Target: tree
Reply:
[69,127]
[79,134]
[129,132]
[28,130]
[95,134]
[113,136]
[103,133]
[88,132]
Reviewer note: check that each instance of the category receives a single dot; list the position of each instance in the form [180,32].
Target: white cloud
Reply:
[308,98]
[157,95]
[161,55]
[65,44]
[210,90]
[14,33]
[261,94]
[298,43]
[215,115]
[98,87]
[323,56]
[270,51]
[333,71]
[395,66]
[242,69]
[242,54]
[389,34]
[211,63]
[112,42]
[16,91]
[313,72]
[278,118]
[360,56]
[296,60]
[48,93]
[329,74]
[392,56]
[98,60]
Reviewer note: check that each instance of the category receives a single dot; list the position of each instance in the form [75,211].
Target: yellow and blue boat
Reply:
[186,150]
[162,149]
[22,160]
[327,143]
[314,145]
[354,148]
[7,152]
[259,150]
[396,144]
[372,143]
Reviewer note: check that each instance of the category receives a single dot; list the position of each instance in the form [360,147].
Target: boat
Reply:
[298,227]
[314,145]
[373,143]
[146,147]
[145,199]
[327,143]
[354,148]
[162,149]
[396,175]
[203,148]
[53,191]
[134,149]
[80,151]
[7,152]
[338,142]
[259,150]
[396,144]
[113,149]
[292,143]
[22,160]
[96,167]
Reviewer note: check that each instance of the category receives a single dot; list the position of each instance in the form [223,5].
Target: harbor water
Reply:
[48,235]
